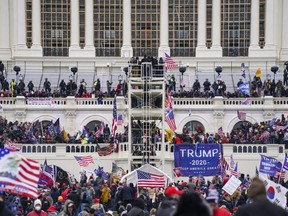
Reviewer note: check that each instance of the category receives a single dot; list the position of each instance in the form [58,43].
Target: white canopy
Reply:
[132,176]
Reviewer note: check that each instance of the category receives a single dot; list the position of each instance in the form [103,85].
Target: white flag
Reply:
[275,192]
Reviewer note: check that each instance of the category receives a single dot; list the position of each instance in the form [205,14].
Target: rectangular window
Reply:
[183,17]
[29,23]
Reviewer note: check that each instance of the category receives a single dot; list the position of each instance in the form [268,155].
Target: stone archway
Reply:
[193,127]
[91,125]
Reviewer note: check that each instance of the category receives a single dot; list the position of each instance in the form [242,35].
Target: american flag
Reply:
[12,146]
[241,115]
[100,130]
[150,180]
[169,115]
[120,120]
[235,172]
[169,118]
[84,160]
[48,169]
[107,150]
[114,120]
[19,174]
[232,162]
[170,63]
[243,70]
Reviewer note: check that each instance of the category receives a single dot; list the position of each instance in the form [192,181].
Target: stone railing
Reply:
[262,101]
[124,149]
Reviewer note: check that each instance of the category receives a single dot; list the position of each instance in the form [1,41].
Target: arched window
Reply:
[91,125]
[73,149]
[249,149]
[23,149]
[264,149]
[38,149]
[68,149]
[49,149]
[281,149]
[53,149]
[34,149]
[87,149]
[245,149]
[234,149]
[254,149]
[240,149]
[44,149]
[29,149]
[193,127]
[259,149]
[241,124]
[92,149]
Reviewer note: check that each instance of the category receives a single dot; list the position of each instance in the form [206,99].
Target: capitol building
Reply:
[98,38]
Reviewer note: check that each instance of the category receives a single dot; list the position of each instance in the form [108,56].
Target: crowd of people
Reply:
[274,131]
[98,197]
[257,87]
[33,133]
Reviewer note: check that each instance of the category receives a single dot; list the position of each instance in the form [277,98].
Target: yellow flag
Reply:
[65,136]
[258,72]
[169,134]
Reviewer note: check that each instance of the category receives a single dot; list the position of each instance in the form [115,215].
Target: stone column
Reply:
[36,28]
[284,28]
[270,30]
[201,48]
[74,41]
[254,29]
[164,28]
[89,29]
[21,48]
[5,51]
[216,49]
[126,50]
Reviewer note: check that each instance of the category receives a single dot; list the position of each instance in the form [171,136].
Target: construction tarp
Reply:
[132,176]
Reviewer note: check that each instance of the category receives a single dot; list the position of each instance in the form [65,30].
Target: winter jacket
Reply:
[64,212]
[135,211]
[5,211]
[34,213]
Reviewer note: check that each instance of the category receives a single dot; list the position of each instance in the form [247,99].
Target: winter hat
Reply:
[37,202]
[213,195]
[60,198]
[96,201]
[256,188]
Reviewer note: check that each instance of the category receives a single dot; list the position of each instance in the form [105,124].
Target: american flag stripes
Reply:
[107,150]
[84,160]
[150,180]
[19,175]
[169,114]
[100,130]
[114,120]
[170,63]
[12,146]
[235,172]
[120,120]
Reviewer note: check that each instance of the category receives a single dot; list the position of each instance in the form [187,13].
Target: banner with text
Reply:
[269,165]
[200,159]
[40,101]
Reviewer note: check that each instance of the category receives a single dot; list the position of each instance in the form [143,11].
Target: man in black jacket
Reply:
[260,204]
[3,209]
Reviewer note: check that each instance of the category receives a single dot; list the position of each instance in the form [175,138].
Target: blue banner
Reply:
[199,159]
[269,165]
[285,165]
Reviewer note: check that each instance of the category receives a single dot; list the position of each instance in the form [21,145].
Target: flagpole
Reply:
[281,169]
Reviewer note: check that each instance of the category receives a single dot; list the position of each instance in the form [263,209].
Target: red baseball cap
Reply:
[173,190]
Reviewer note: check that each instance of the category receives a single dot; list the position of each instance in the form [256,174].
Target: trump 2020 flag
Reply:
[18,174]
[285,165]
[269,165]
[275,192]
